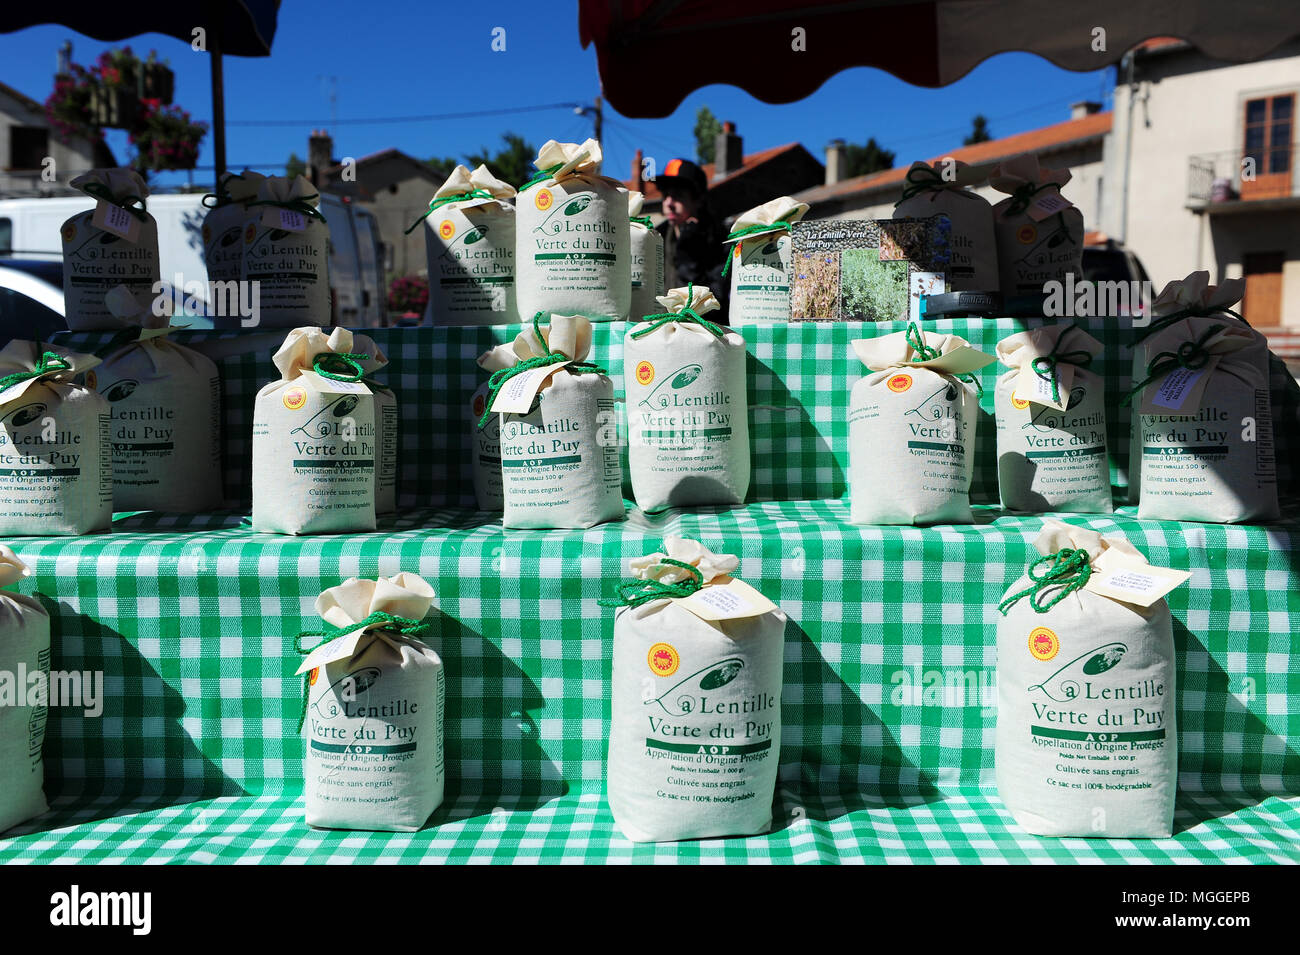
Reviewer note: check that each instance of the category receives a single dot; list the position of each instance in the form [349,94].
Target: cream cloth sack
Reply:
[647,260]
[165,406]
[56,466]
[759,261]
[696,700]
[469,243]
[1086,740]
[485,438]
[286,250]
[1181,299]
[1207,425]
[121,251]
[24,649]
[573,252]
[1035,245]
[1052,441]
[373,729]
[912,430]
[314,440]
[386,424]
[560,461]
[688,411]
[941,190]
[223,226]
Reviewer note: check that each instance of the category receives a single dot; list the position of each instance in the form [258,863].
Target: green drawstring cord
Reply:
[687,314]
[924,352]
[405,626]
[1189,355]
[499,378]
[127,202]
[740,234]
[634,593]
[642,220]
[1020,199]
[930,181]
[447,200]
[293,205]
[48,363]
[339,366]
[541,176]
[1044,366]
[1069,569]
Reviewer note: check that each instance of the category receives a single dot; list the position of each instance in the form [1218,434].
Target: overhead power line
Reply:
[386,120]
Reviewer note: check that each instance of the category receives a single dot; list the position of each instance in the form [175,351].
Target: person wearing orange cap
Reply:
[692,233]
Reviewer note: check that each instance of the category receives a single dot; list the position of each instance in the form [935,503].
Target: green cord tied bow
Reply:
[1189,355]
[131,203]
[923,179]
[404,626]
[447,200]
[1021,198]
[541,176]
[687,314]
[301,204]
[339,366]
[499,378]
[47,364]
[642,220]
[741,234]
[219,199]
[1068,570]
[634,593]
[1191,311]
[924,352]
[1044,366]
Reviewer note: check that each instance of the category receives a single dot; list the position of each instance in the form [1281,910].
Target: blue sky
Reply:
[405,58]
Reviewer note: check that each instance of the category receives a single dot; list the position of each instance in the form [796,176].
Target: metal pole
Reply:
[599,120]
[218,104]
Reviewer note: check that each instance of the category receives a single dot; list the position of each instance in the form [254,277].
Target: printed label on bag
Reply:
[899,383]
[518,393]
[1038,389]
[1180,390]
[447,230]
[294,398]
[727,599]
[645,373]
[1043,643]
[1020,404]
[1122,577]
[543,199]
[663,659]
[113,218]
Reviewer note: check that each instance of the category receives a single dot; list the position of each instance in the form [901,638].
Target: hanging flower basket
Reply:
[113,107]
[165,137]
[68,108]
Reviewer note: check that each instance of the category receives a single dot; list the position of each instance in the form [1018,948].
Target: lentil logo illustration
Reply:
[121,389]
[26,415]
[711,677]
[645,373]
[543,199]
[229,237]
[899,383]
[1047,418]
[1043,643]
[677,380]
[663,659]
[554,223]
[294,398]
[349,687]
[1061,685]
[937,405]
[102,238]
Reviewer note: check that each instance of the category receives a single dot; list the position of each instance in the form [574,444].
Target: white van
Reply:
[29,229]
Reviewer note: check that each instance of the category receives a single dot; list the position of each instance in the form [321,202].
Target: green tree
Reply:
[867,158]
[979,131]
[707,128]
[514,163]
[443,167]
[295,166]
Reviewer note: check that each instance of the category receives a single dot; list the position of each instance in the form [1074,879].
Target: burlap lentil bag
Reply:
[1206,423]
[1039,233]
[164,402]
[647,268]
[1051,423]
[1192,297]
[469,241]
[1086,741]
[573,252]
[696,699]
[314,440]
[912,426]
[387,424]
[24,653]
[223,226]
[759,261]
[56,466]
[116,243]
[485,439]
[560,457]
[687,406]
[286,251]
[373,727]
[941,189]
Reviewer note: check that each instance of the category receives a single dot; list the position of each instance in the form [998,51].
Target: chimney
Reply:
[837,161]
[638,179]
[727,153]
[320,152]
[1084,108]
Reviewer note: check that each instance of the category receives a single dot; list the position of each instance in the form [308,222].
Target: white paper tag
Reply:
[726,599]
[115,219]
[1121,577]
[1181,389]
[338,649]
[1030,386]
[517,394]
[1048,204]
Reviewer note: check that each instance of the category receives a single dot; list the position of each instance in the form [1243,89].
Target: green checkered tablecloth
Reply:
[192,618]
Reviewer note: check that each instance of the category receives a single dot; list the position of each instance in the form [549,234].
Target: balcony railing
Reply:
[1236,175]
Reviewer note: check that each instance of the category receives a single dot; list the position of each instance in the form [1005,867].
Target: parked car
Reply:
[31,299]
